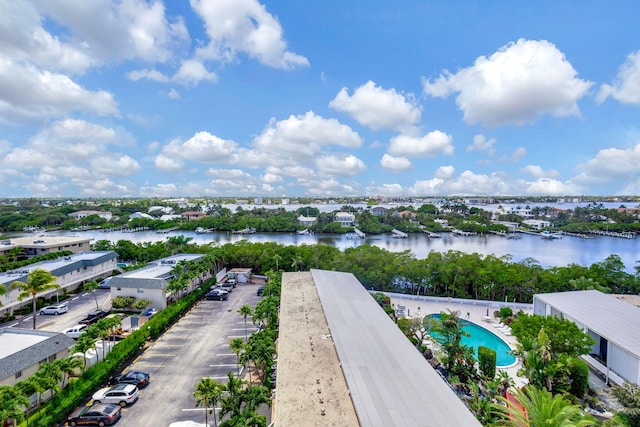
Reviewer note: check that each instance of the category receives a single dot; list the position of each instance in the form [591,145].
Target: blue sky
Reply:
[326,98]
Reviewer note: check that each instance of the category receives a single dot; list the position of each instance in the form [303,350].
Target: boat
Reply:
[303,232]
[200,230]
[514,236]
[250,230]
[548,235]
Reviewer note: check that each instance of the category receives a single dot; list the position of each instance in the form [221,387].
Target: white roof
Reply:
[610,317]
[390,382]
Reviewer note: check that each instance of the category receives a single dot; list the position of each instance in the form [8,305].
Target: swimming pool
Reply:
[479,336]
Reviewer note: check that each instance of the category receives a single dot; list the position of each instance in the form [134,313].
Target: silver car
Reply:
[55,309]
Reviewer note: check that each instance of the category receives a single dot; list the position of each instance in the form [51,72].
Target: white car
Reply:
[119,394]
[75,331]
[55,309]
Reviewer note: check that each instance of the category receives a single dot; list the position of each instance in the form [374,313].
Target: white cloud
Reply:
[396,164]
[117,30]
[244,26]
[192,72]
[384,190]
[481,143]
[626,86]
[378,108]
[340,165]
[431,144]
[329,187]
[549,187]
[161,190]
[30,94]
[611,164]
[173,94]
[115,165]
[538,172]
[228,174]
[271,178]
[514,85]
[201,147]
[445,172]
[148,74]
[518,154]
[302,137]
[467,183]
[167,163]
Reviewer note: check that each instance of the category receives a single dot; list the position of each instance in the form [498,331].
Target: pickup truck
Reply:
[93,317]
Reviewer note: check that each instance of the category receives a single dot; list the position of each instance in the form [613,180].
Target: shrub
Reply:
[505,312]
[122,302]
[487,361]
[579,375]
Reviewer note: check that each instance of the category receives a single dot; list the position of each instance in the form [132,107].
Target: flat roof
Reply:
[157,269]
[309,376]
[612,318]
[13,341]
[45,240]
[390,382]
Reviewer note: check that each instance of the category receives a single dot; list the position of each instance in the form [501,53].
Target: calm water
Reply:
[559,252]
[479,336]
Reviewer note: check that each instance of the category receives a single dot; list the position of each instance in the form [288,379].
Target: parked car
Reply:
[55,309]
[93,317]
[137,378]
[75,331]
[260,291]
[103,414]
[227,286]
[218,288]
[105,283]
[148,312]
[119,394]
[216,295]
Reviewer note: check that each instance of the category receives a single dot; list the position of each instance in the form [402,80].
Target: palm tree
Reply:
[232,402]
[84,344]
[12,402]
[277,258]
[536,407]
[91,287]
[37,281]
[246,311]
[68,367]
[296,262]
[237,345]
[207,393]
[3,291]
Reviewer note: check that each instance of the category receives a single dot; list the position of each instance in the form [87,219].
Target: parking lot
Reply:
[195,347]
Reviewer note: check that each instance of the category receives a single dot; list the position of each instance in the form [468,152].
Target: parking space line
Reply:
[235,336]
[199,409]
[73,299]
[11,326]
[224,364]
[224,354]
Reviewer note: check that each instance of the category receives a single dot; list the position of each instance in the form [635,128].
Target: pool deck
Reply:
[473,313]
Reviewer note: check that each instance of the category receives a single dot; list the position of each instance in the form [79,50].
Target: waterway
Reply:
[557,252]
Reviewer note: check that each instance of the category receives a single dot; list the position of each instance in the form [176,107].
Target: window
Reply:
[140,291]
[18,374]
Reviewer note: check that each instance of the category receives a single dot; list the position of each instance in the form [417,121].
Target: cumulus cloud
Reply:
[191,72]
[147,74]
[445,172]
[244,26]
[202,147]
[467,183]
[538,172]
[167,163]
[29,93]
[481,143]
[340,165]
[395,164]
[612,164]
[549,187]
[303,137]
[115,30]
[431,144]
[115,165]
[173,94]
[514,85]
[378,108]
[626,86]
[384,190]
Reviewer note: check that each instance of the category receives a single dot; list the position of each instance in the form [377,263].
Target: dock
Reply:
[167,230]
[623,234]
[250,230]
[457,232]
[397,234]
[357,234]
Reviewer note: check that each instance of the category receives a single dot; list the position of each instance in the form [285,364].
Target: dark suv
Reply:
[93,317]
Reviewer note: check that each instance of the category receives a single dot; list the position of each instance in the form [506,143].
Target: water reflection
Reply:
[559,252]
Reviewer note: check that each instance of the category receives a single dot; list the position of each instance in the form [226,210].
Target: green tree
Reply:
[67,366]
[458,357]
[245,311]
[207,394]
[91,287]
[539,408]
[237,346]
[38,281]
[564,335]
[629,398]
[12,403]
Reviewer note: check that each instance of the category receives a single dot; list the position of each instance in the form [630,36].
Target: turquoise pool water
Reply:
[479,336]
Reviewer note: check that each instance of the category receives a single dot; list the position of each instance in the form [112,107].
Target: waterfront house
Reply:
[345,219]
[193,215]
[378,211]
[307,221]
